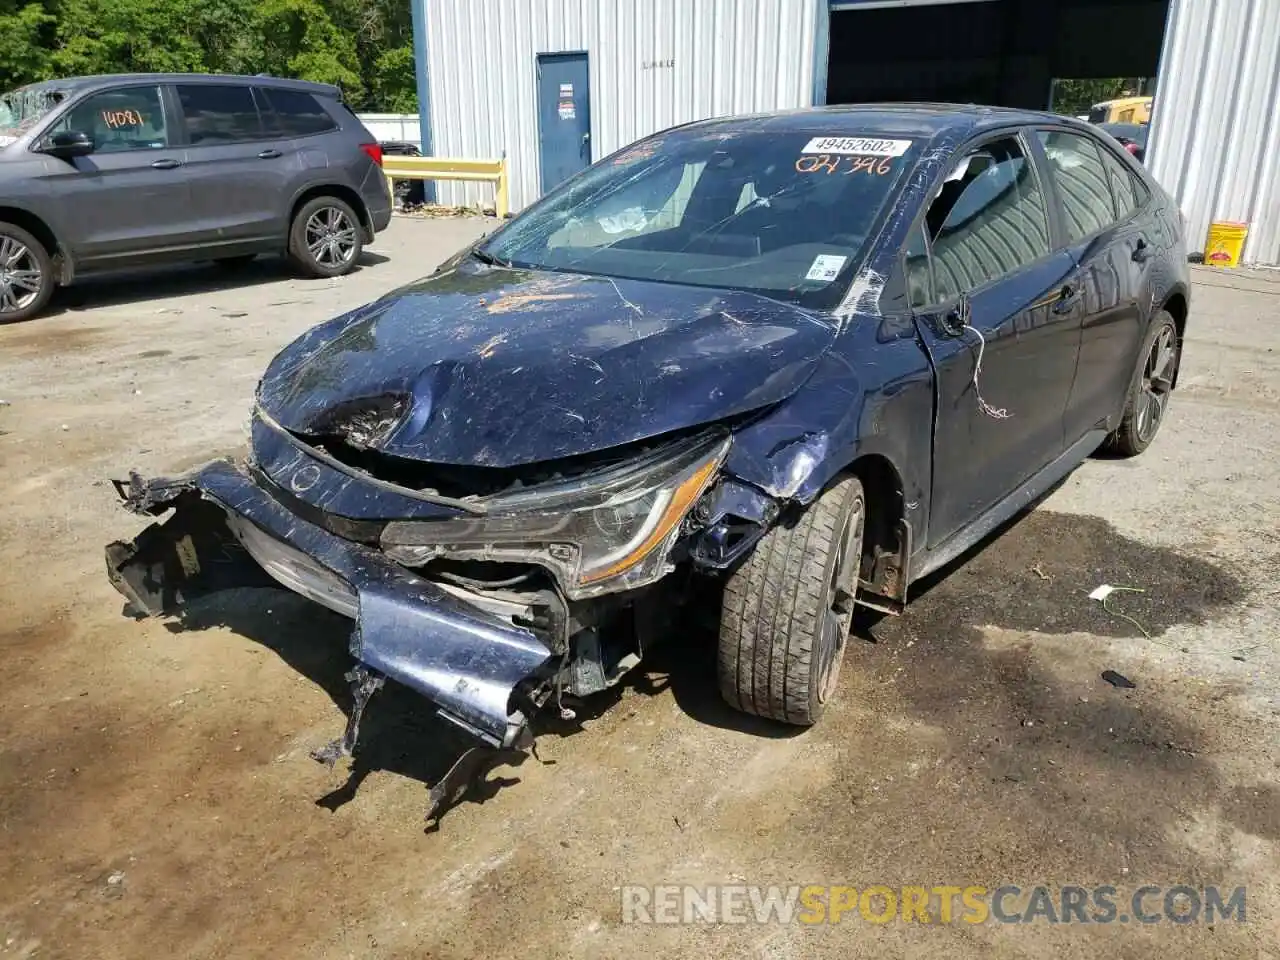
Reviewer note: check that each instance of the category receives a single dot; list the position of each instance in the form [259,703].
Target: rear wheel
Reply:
[1148,399]
[26,274]
[325,238]
[786,611]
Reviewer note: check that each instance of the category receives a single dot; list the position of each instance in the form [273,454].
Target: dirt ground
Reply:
[156,796]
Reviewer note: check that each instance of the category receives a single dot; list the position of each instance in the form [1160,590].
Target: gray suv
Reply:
[100,173]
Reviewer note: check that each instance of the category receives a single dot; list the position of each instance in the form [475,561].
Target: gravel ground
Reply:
[155,789]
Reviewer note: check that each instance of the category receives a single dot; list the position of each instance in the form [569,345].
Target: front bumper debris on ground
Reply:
[227,530]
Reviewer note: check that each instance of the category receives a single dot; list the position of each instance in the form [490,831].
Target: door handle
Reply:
[1141,252]
[269,154]
[166,164]
[1067,299]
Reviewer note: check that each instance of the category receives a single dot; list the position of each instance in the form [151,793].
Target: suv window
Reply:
[1082,182]
[131,118]
[219,114]
[295,114]
[988,220]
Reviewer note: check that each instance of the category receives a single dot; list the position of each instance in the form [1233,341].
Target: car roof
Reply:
[919,120]
[77,84]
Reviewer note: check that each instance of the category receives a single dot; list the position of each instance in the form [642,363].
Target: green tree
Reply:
[300,39]
[394,81]
[363,46]
[26,34]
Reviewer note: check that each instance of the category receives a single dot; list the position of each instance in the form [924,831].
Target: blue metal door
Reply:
[564,116]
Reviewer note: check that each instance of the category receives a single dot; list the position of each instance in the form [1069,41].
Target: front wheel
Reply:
[786,611]
[26,274]
[324,239]
[1148,398]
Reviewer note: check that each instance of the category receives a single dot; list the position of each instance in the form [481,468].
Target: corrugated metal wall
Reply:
[731,56]
[1215,133]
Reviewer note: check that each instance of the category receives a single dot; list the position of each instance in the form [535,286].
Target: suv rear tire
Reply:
[786,612]
[27,277]
[325,237]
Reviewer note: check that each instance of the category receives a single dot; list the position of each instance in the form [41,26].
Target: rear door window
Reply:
[1082,181]
[988,220]
[218,114]
[294,113]
[1123,184]
[131,118]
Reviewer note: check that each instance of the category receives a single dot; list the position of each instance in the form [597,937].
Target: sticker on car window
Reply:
[857,146]
[826,267]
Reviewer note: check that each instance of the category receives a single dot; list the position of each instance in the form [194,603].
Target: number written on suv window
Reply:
[131,118]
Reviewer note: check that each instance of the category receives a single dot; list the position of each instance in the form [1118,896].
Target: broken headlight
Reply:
[599,533]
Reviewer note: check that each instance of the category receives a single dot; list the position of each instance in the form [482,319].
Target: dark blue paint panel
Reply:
[564,117]
[498,367]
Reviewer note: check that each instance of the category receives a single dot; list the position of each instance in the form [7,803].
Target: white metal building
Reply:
[553,85]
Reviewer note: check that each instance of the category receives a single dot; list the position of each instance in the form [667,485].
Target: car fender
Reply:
[871,395]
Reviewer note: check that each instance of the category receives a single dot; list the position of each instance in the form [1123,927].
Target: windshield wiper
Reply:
[489,258]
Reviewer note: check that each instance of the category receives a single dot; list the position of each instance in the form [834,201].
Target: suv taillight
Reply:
[374,150]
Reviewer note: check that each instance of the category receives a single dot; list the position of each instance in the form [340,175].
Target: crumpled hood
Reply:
[495,367]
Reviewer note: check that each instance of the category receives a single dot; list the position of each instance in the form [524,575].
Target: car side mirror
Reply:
[956,317]
[66,144]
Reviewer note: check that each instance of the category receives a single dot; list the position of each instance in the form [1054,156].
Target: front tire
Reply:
[1148,397]
[325,237]
[26,275]
[786,611]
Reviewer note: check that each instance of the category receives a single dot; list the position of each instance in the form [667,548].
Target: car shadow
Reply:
[158,283]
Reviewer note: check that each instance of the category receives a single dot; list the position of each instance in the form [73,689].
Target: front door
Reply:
[989,247]
[129,198]
[564,117]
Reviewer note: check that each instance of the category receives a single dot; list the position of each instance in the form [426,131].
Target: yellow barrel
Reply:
[1226,241]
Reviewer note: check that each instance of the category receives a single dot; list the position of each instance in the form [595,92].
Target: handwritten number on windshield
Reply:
[876,166]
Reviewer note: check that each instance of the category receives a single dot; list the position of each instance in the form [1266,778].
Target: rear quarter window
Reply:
[294,113]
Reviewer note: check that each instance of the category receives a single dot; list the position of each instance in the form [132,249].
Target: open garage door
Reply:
[1002,52]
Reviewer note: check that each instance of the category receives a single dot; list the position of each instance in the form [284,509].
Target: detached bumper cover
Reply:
[227,530]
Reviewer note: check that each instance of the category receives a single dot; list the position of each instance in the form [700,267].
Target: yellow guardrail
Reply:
[451,168]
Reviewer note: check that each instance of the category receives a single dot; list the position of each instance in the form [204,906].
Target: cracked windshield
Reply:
[785,216]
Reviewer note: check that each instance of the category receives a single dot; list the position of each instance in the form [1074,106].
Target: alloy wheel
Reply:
[20,277]
[1157,382]
[834,630]
[331,237]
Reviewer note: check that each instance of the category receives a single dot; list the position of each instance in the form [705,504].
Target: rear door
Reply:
[129,199]
[1105,237]
[238,169]
[1003,382]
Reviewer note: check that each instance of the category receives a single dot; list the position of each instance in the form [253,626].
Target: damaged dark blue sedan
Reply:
[814,355]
